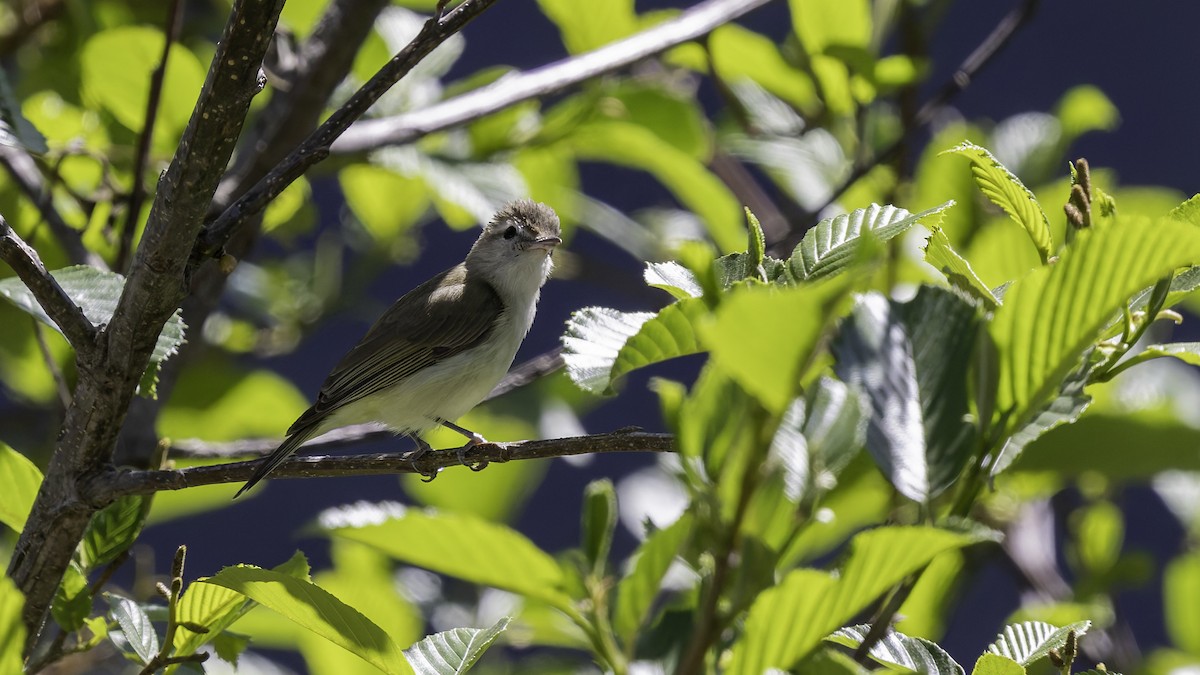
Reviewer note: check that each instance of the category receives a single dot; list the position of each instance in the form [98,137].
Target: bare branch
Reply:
[316,147]
[138,193]
[58,305]
[506,91]
[118,484]
[28,178]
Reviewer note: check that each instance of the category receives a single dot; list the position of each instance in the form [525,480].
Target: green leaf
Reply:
[739,54]
[387,203]
[113,529]
[1007,191]
[1050,317]
[1085,108]
[956,269]
[96,293]
[898,650]
[452,544]
[765,337]
[1188,352]
[821,24]
[19,483]
[631,145]
[789,620]
[453,652]
[219,399]
[1065,409]
[73,601]
[1099,532]
[598,520]
[15,130]
[116,68]
[208,605]
[992,664]
[12,629]
[757,247]
[673,278]
[601,345]
[315,609]
[1030,641]
[1181,587]
[817,438]
[1188,211]
[911,363]
[637,590]
[586,26]
[830,246]
[229,646]
[135,625]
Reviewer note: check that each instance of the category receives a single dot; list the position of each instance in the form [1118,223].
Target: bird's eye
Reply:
[510,232]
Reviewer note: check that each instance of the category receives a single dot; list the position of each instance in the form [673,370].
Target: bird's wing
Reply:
[422,328]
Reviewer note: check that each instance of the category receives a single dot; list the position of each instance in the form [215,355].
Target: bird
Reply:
[442,347]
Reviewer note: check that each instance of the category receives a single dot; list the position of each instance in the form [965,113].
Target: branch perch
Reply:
[120,483]
[58,305]
[688,25]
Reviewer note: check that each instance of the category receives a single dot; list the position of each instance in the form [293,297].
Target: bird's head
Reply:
[517,243]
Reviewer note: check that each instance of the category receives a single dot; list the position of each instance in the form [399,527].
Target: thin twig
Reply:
[60,382]
[120,483]
[53,299]
[987,50]
[315,148]
[687,25]
[28,178]
[138,193]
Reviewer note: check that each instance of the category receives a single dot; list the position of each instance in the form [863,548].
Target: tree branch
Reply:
[50,296]
[688,25]
[117,484]
[153,291]
[316,147]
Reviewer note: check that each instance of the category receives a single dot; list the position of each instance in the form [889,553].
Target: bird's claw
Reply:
[462,455]
[418,454]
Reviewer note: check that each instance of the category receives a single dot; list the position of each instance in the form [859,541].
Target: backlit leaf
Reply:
[1007,191]
[19,483]
[453,652]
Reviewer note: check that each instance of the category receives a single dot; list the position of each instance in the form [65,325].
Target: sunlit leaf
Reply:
[12,629]
[898,650]
[830,246]
[784,323]
[601,345]
[453,544]
[1050,317]
[73,601]
[387,203]
[1028,642]
[956,269]
[314,608]
[113,530]
[994,664]
[1007,191]
[597,522]
[1085,108]
[739,54]
[788,621]
[672,278]
[19,483]
[453,652]
[586,26]
[1181,585]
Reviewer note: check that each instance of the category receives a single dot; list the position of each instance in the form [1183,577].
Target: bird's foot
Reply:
[462,454]
[418,454]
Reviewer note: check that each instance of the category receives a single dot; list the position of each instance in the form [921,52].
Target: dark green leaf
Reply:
[453,652]
[598,521]
[830,246]
[637,589]
[113,530]
[229,646]
[315,609]
[1028,642]
[897,650]
[1007,191]
[135,625]
[19,483]
[911,362]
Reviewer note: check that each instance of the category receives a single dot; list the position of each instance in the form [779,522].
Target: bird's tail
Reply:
[286,449]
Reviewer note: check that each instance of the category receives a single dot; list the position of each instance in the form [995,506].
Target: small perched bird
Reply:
[442,347]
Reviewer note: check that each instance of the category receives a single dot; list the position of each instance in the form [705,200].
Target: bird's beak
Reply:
[546,243]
